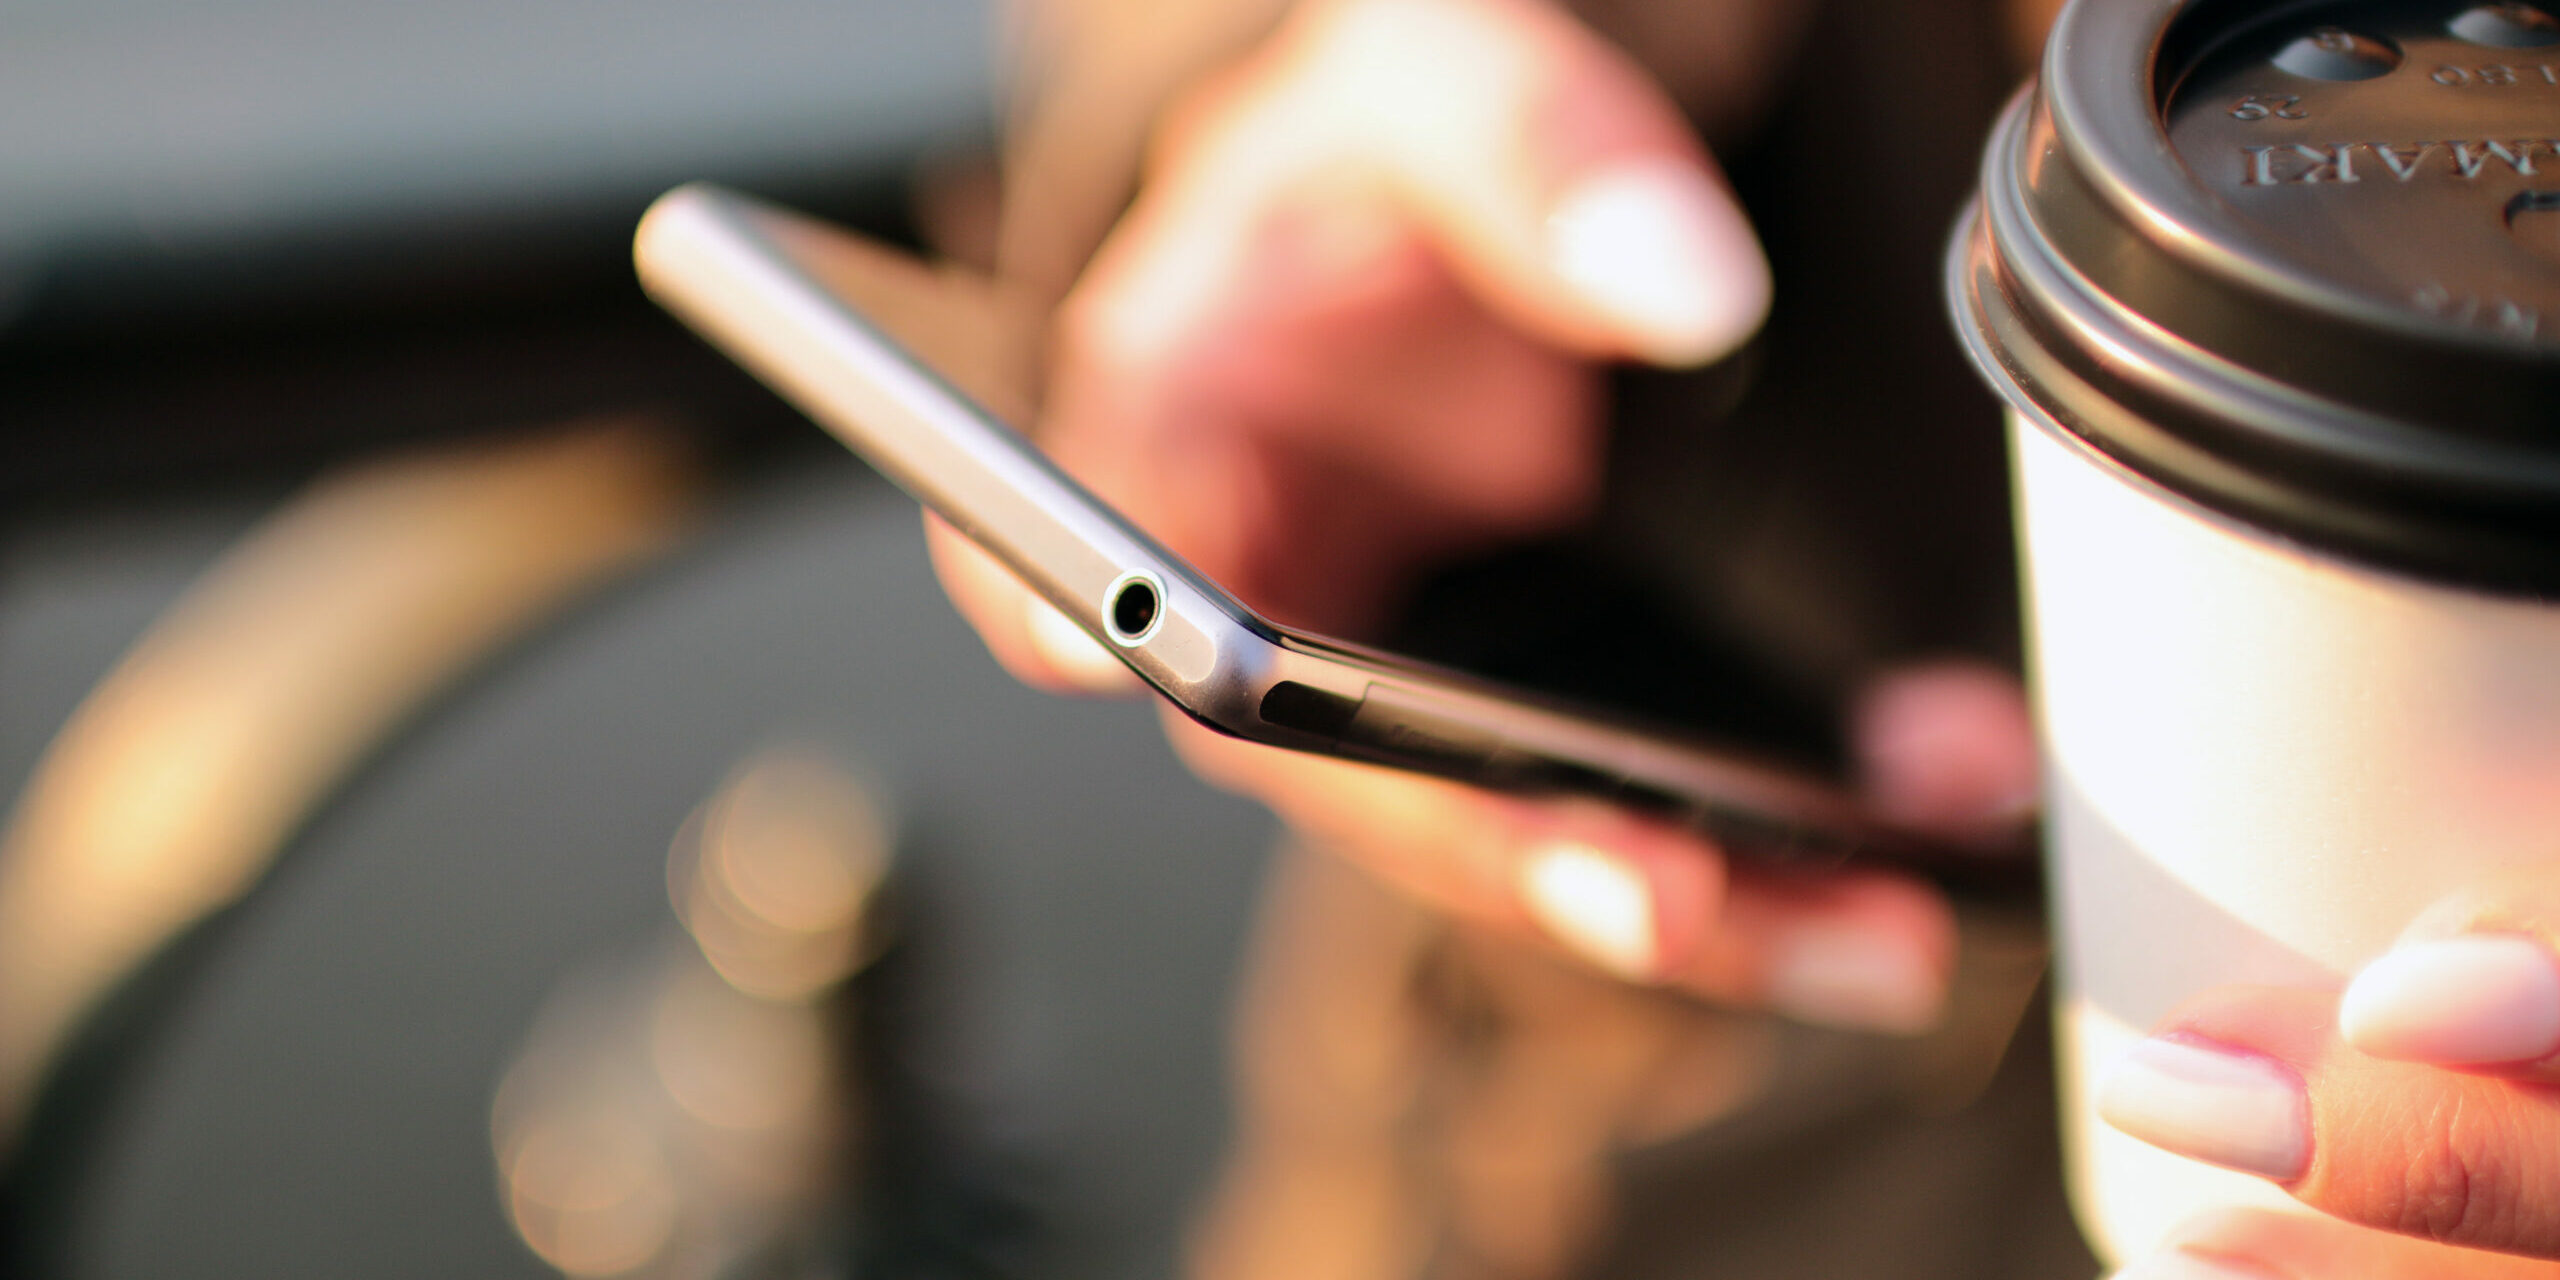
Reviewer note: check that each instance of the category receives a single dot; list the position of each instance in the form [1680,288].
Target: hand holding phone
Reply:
[1404,344]
[788,297]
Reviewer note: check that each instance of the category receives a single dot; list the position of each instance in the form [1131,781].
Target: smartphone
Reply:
[828,318]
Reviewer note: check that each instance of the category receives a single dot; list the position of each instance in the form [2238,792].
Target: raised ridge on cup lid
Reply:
[2299,263]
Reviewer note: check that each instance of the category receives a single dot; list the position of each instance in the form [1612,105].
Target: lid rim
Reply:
[2104,286]
[2500,538]
[2144,364]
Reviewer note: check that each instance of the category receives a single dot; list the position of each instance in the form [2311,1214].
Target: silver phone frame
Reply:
[739,271]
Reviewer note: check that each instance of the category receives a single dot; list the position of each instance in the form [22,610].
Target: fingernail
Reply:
[1947,747]
[1660,249]
[1070,651]
[2487,998]
[1924,784]
[2222,1106]
[1595,904]
[2178,1264]
[1850,978]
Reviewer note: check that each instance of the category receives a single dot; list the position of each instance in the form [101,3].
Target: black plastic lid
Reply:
[2299,263]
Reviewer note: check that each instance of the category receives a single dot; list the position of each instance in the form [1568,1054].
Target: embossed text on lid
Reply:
[2299,262]
[2395,184]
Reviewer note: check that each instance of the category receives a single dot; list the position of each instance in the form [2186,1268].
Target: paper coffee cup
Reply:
[2271,299]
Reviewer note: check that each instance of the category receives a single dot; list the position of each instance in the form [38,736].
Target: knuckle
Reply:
[2458,1182]
[2438,1199]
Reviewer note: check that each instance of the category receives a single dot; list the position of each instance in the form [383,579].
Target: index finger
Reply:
[2473,983]
[1647,900]
[2256,1079]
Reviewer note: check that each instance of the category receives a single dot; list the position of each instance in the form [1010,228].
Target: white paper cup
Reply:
[2260,763]
[2290,519]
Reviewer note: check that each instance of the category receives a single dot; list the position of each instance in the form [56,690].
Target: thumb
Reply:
[1559,183]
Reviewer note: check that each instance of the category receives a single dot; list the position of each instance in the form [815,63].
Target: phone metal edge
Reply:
[710,256]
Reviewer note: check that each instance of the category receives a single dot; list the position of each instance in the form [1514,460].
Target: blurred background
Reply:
[492,792]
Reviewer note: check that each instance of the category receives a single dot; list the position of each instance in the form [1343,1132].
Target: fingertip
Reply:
[1854,980]
[1948,747]
[1597,905]
[1029,638]
[2229,1243]
[2188,1264]
[1633,901]
[1071,654]
[2220,1103]
[1869,953]
[1661,252]
[1563,183]
[2235,1243]
[2474,1000]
